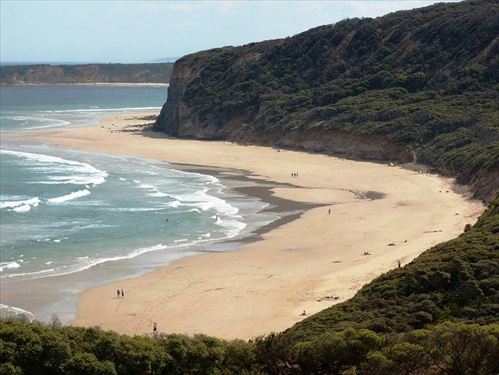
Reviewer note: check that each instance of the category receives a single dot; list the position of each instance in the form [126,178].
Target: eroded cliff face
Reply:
[178,120]
[330,142]
[174,111]
[486,184]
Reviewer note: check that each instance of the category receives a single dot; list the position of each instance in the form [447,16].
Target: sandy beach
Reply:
[310,263]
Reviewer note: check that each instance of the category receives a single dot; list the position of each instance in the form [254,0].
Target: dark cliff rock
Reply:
[419,85]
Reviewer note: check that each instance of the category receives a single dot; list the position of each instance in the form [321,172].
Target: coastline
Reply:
[309,262]
[160,84]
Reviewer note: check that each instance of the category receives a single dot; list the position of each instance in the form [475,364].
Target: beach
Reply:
[359,220]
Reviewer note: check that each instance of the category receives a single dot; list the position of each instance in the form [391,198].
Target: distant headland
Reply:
[47,74]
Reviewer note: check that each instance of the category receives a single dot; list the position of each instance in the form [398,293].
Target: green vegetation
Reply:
[426,80]
[442,349]
[89,73]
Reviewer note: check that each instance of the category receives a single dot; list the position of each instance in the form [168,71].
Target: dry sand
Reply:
[307,264]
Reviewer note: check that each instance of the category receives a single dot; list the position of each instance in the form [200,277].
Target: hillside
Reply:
[91,73]
[419,85]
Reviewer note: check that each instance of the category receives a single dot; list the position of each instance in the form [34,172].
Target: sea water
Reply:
[66,211]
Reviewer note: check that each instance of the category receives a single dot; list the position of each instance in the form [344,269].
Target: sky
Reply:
[115,31]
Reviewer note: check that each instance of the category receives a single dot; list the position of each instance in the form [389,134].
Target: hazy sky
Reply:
[143,31]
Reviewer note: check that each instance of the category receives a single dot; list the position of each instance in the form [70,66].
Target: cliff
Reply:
[412,86]
[90,73]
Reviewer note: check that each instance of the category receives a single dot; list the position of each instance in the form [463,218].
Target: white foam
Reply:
[13,203]
[20,206]
[9,311]
[83,173]
[65,198]
[232,227]
[86,262]
[31,156]
[47,122]
[174,204]
[202,200]
[154,192]
[132,209]
[33,275]
[9,265]
[225,215]
[157,194]
[145,186]
[73,180]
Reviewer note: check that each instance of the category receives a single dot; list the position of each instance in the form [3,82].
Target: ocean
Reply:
[77,219]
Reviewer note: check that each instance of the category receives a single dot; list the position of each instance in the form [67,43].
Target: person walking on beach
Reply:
[118,293]
[122,293]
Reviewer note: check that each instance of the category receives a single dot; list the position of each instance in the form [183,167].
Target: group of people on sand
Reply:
[294,174]
[120,293]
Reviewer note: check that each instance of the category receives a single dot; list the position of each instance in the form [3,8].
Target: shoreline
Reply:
[309,263]
[38,297]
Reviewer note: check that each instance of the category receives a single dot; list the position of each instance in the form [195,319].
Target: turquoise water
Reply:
[65,212]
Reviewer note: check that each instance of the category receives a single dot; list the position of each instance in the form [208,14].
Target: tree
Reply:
[461,349]
[88,364]
[408,359]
